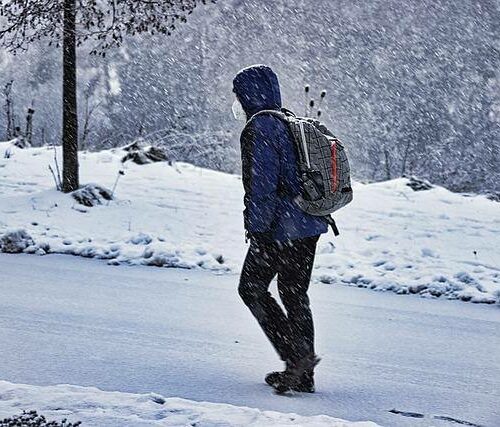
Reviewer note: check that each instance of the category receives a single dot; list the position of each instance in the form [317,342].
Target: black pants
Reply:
[291,334]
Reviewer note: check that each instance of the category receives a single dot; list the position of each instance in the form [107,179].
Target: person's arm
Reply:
[263,163]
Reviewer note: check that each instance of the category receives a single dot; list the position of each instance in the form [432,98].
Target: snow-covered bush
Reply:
[417,184]
[496,294]
[495,197]
[140,239]
[140,154]
[32,418]
[20,142]
[92,195]
[15,241]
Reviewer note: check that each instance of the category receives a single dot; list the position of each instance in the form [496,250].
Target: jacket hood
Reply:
[257,89]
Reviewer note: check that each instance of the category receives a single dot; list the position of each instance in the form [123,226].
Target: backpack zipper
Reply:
[335,184]
[304,143]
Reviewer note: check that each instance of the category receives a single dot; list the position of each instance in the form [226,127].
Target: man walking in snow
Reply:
[282,237]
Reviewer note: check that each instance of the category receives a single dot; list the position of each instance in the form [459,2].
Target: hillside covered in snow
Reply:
[434,243]
[421,76]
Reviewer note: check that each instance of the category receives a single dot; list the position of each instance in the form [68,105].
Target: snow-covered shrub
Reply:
[494,197]
[140,239]
[15,241]
[324,278]
[158,257]
[496,295]
[140,154]
[20,142]
[13,145]
[32,418]
[92,195]
[417,184]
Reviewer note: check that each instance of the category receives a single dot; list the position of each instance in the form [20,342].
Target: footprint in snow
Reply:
[436,417]
[426,252]
[373,237]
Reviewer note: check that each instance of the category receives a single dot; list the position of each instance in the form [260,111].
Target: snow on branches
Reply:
[104,21]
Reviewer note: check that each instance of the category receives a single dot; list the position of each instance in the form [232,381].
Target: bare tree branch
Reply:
[105,22]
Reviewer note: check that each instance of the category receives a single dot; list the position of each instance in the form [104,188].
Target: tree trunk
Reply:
[9,110]
[70,118]
[387,164]
[29,126]
[405,157]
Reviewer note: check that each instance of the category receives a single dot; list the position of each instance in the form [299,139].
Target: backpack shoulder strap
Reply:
[299,141]
[279,114]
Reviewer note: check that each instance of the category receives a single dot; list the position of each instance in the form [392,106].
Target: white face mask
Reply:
[238,112]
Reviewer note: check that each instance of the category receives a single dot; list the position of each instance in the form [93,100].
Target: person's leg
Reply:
[293,283]
[259,268]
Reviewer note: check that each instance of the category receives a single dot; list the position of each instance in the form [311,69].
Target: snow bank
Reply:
[432,243]
[94,407]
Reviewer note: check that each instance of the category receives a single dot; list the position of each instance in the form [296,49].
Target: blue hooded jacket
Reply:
[270,174]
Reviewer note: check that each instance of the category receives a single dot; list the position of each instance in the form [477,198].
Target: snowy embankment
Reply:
[433,243]
[94,407]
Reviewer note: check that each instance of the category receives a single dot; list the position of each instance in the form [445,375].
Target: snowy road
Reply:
[185,333]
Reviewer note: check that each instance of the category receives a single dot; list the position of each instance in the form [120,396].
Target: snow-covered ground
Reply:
[433,243]
[186,333]
[94,407]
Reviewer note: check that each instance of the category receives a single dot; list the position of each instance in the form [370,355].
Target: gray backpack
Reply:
[322,164]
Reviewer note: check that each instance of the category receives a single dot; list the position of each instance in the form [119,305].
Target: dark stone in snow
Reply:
[407,413]
[156,398]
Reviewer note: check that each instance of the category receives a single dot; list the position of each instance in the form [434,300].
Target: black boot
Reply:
[306,384]
[297,376]
[272,377]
